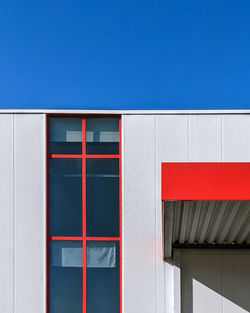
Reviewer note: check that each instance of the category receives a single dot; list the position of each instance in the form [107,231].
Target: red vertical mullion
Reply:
[84,233]
[84,177]
[120,197]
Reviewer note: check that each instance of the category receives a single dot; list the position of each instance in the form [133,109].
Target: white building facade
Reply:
[192,280]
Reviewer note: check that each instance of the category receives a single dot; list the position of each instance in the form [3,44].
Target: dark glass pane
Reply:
[66,276]
[103,197]
[65,197]
[102,135]
[103,277]
[65,135]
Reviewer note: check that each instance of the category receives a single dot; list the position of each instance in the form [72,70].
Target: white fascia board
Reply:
[123,112]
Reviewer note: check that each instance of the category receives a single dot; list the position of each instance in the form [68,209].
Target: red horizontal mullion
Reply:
[103,238]
[65,156]
[65,238]
[85,238]
[102,156]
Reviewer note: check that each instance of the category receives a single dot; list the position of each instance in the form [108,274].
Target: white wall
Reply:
[139,214]
[6,214]
[171,137]
[22,213]
[149,140]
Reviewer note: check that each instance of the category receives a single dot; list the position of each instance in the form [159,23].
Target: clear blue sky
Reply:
[135,54]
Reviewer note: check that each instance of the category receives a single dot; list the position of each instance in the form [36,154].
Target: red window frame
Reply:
[84,238]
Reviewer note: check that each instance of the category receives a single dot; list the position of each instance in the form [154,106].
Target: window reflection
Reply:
[103,282]
[66,277]
[65,197]
[65,135]
[101,254]
[103,197]
[102,135]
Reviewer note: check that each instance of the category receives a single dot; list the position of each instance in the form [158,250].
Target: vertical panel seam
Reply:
[155,203]
[14,210]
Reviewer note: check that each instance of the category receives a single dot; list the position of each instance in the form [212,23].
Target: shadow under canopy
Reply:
[206,225]
[208,242]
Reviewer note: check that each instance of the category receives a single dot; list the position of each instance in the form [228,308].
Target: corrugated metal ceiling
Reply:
[221,222]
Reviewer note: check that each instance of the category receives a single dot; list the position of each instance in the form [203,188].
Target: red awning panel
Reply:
[206,181]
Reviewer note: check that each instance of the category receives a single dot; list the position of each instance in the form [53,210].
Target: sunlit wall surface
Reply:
[87,247]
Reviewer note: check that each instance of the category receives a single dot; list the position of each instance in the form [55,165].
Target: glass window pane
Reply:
[65,197]
[103,197]
[101,254]
[65,135]
[103,282]
[102,135]
[66,277]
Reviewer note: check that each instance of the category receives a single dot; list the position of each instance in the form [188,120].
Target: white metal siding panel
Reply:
[6,213]
[236,138]
[171,138]
[139,214]
[205,138]
[171,146]
[29,167]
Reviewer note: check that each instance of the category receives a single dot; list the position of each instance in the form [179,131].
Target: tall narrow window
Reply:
[84,215]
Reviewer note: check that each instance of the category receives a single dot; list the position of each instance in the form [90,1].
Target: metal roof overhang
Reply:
[206,205]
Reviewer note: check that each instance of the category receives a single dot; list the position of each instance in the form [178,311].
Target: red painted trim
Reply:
[102,156]
[102,238]
[82,114]
[84,238]
[84,278]
[84,230]
[65,115]
[87,156]
[65,238]
[206,181]
[84,226]
[65,156]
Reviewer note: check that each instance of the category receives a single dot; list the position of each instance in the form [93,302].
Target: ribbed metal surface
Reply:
[221,222]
